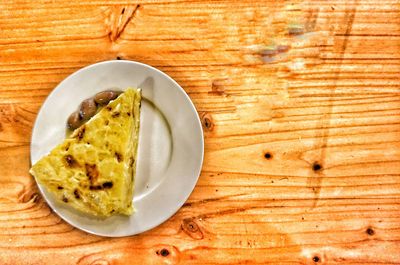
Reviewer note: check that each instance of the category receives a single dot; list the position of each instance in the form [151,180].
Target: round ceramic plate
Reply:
[170,152]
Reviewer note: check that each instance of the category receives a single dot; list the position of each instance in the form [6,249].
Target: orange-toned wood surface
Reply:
[300,103]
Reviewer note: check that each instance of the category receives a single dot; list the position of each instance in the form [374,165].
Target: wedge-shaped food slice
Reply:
[93,170]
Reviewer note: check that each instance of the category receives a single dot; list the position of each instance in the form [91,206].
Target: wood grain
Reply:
[300,104]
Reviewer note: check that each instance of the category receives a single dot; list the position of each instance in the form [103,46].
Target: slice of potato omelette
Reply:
[93,170]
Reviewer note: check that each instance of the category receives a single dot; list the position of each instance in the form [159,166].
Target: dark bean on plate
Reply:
[88,108]
[106,96]
[74,120]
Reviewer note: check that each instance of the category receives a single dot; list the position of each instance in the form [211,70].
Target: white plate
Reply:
[170,152]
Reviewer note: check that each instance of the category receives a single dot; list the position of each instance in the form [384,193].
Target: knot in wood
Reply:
[168,253]
[207,122]
[163,252]
[190,227]
[268,155]
[370,231]
[316,166]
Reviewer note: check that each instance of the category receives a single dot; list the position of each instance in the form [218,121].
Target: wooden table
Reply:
[300,103]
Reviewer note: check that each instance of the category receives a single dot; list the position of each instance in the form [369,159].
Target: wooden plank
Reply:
[302,160]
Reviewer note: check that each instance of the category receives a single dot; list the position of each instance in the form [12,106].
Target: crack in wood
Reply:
[315,182]
[222,198]
[233,211]
[120,18]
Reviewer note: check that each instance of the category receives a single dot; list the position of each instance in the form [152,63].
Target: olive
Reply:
[88,108]
[74,120]
[106,96]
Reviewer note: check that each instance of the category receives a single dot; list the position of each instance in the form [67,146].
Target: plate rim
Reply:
[197,171]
